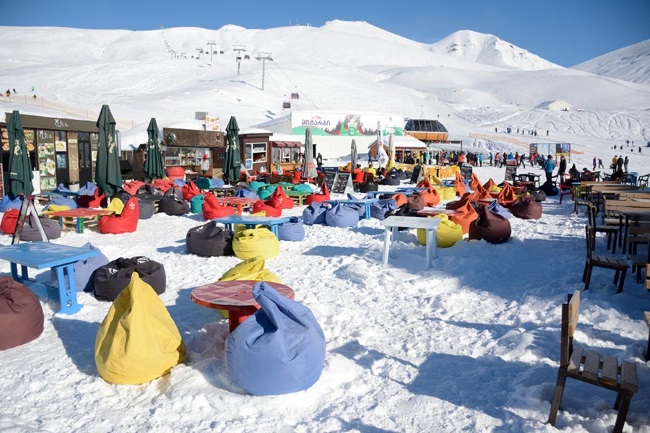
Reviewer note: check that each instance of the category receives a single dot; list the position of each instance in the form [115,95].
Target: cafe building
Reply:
[60,150]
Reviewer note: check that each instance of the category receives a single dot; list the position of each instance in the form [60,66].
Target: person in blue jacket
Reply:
[549,166]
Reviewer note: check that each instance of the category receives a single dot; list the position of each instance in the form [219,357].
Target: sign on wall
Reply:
[345,124]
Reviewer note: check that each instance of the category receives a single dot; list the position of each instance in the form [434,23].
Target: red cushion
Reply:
[213,209]
[127,222]
[279,199]
[190,190]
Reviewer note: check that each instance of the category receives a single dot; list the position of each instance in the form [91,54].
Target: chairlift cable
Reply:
[295,85]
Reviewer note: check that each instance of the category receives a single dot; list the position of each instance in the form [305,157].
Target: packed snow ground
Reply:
[469,345]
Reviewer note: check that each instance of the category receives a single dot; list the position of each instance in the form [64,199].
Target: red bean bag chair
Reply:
[126,222]
[468,214]
[163,184]
[133,186]
[21,314]
[271,211]
[296,176]
[318,198]
[212,209]
[175,173]
[95,200]
[190,190]
[9,221]
[460,185]
[430,197]
[279,199]
[424,183]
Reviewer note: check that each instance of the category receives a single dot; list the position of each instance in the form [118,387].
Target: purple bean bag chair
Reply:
[21,314]
[315,214]
[341,216]
[84,270]
[294,230]
[279,350]
[378,210]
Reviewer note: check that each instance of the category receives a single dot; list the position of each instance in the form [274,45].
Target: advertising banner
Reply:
[345,124]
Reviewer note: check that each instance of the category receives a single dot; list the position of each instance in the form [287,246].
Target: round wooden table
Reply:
[236,297]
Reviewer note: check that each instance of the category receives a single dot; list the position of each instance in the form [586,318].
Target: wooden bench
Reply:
[590,367]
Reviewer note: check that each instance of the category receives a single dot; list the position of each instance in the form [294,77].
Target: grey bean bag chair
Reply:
[21,314]
[30,231]
[208,240]
[173,206]
[112,278]
[146,208]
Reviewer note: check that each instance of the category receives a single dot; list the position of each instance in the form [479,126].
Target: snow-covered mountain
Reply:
[630,64]
[489,50]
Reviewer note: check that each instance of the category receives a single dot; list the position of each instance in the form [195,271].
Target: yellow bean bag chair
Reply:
[57,207]
[255,242]
[250,269]
[116,205]
[446,192]
[138,341]
[449,232]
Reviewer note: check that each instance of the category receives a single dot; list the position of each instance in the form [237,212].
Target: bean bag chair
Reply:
[165,184]
[116,205]
[526,208]
[538,195]
[138,340]
[507,194]
[415,201]
[496,208]
[467,212]
[341,216]
[314,214]
[446,192]
[368,187]
[9,221]
[431,197]
[260,206]
[217,183]
[84,270]
[257,186]
[549,189]
[21,314]
[281,349]
[7,203]
[279,199]
[400,199]
[303,187]
[246,193]
[489,185]
[145,208]
[133,187]
[255,242]
[388,180]
[212,209]
[489,226]
[208,240]
[379,209]
[115,276]
[189,190]
[460,185]
[179,183]
[88,189]
[63,201]
[196,203]
[92,201]
[448,232]
[30,232]
[55,207]
[175,172]
[294,230]
[127,222]
[203,183]
[174,192]
[264,194]
[318,198]
[250,269]
[173,206]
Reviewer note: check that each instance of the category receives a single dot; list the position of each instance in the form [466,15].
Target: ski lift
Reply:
[286,104]
[247,57]
[238,59]
[295,95]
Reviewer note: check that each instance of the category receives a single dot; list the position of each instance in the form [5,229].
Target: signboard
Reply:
[511,173]
[563,149]
[345,124]
[330,176]
[212,123]
[340,181]
[466,171]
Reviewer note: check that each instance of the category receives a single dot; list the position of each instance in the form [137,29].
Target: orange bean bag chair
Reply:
[474,183]
[506,195]
[460,185]
[400,199]
[126,222]
[271,211]
[489,184]
[212,209]
[279,199]
[318,198]
[430,197]
[468,214]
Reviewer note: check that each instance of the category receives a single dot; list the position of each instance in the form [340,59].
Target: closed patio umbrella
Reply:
[107,169]
[153,165]
[308,166]
[391,152]
[232,164]
[20,168]
[353,153]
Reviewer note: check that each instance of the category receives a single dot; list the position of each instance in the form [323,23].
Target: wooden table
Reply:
[236,297]
[43,255]
[78,216]
[297,196]
[238,202]
[252,221]
[366,202]
[430,225]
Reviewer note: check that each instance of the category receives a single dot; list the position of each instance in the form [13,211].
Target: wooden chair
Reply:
[608,261]
[589,367]
[610,230]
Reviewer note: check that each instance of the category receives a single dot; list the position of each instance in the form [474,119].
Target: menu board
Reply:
[466,171]
[46,159]
[29,139]
[340,182]
[330,175]
[511,172]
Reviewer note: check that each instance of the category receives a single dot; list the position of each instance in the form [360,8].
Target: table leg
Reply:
[235,318]
[61,222]
[429,245]
[367,211]
[387,240]
[80,224]
[239,209]
[274,229]
[67,294]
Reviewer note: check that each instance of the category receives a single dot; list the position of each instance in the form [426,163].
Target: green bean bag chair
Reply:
[196,203]
[138,340]
[303,187]
[448,232]
[250,269]
[264,194]
[256,242]
[256,186]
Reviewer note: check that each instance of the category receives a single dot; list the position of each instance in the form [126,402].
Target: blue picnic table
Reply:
[366,202]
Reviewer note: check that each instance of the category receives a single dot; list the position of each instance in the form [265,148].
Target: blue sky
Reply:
[566,32]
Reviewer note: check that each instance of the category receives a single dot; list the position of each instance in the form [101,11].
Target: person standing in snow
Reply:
[593,163]
[625,162]
[549,166]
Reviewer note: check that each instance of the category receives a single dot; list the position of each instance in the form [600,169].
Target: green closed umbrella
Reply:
[153,165]
[232,164]
[107,169]
[20,169]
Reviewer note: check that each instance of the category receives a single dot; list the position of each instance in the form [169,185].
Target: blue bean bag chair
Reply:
[378,210]
[203,183]
[196,203]
[179,182]
[279,350]
[88,189]
[245,193]
[294,230]
[217,183]
[315,214]
[341,216]
[7,203]
[84,270]
[60,200]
